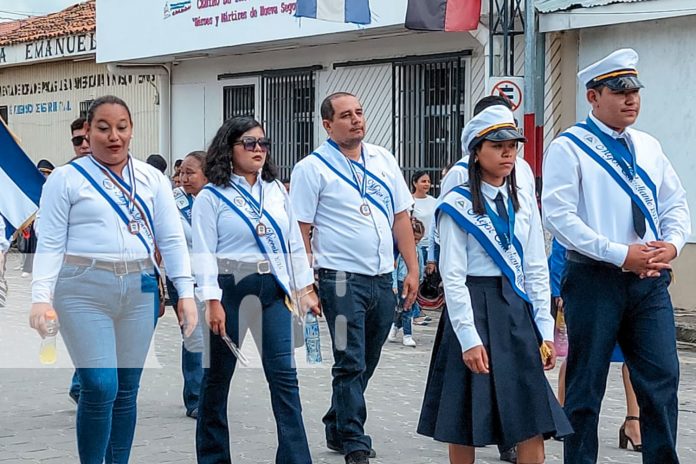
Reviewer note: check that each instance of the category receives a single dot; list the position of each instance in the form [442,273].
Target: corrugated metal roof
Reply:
[549,6]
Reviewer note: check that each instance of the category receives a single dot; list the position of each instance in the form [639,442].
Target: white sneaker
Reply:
[393,333]
[409,341]
[26,274]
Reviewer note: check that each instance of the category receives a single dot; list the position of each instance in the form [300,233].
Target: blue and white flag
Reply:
[20,181]
[342,11]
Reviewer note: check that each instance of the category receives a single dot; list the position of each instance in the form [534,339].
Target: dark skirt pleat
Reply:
[512,404]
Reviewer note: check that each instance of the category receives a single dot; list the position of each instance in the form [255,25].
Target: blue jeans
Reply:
[638,314]
[271,324]
[191,354]
[359,311]
[402,319]
[107,322]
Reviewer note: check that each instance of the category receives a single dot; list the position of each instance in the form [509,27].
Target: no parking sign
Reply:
[511,88]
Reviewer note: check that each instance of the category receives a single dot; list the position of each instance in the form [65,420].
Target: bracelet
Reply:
[311,290]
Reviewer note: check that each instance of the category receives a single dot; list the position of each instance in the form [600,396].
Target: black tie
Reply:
[500,207]
[638,216]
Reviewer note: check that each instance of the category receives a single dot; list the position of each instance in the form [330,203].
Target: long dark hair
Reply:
[416,177]
[476,177]
[218,162]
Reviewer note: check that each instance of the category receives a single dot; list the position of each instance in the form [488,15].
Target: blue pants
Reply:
[359,311]
[270,321]
[403,319]
[638,314]
[107,322]
[191,354]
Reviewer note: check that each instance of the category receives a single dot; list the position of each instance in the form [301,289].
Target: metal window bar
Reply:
[428,100]
[288,116]
[84,107]
[238,100]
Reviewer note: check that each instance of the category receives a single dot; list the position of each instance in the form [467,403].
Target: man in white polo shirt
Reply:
[355,197]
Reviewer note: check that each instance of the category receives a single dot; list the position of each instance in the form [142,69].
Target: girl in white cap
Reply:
[486,383]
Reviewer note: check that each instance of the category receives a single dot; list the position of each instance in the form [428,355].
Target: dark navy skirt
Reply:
[511,404]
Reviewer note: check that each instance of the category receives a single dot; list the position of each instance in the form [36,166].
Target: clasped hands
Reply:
[650,259]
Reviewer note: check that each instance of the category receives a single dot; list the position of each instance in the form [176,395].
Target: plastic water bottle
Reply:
[311,336]
[561,335]
[47,354]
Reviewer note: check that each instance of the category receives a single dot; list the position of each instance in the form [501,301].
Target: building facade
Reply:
[49,76]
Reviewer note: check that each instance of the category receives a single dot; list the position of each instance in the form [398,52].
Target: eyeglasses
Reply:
[78,140]
[249,143]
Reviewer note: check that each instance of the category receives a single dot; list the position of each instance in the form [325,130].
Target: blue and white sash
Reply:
[119,202]
[620,164]
[272,244]
[458,205]
[184,202]
[377,192]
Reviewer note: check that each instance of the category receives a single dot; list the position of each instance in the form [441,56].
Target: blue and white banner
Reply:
[458,205]
[21,183]
[342,11]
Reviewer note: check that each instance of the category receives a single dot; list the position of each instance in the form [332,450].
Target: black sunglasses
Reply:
[249,143]
[77,140]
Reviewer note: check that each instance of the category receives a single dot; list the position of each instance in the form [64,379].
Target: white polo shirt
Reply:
[344,239]
[588,212]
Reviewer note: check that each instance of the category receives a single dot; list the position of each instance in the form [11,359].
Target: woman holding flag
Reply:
[95,264]
[486,383]
[247,244]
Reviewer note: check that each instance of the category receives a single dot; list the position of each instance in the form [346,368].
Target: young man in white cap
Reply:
[354,195]
[612,198]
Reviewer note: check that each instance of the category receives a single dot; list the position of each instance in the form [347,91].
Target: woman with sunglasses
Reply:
[251,265]
[102,218]
[486,383]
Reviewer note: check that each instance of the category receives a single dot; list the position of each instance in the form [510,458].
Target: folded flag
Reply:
[443,15]
[342,11]
[21,183]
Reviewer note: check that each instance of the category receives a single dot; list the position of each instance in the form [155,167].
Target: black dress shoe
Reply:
[333,446]
[509,455]
[358,457]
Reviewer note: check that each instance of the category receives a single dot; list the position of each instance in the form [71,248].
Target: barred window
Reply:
[239,100]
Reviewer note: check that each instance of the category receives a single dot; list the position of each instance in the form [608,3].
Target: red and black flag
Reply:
[443,15]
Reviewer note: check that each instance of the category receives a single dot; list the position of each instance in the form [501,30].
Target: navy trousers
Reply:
[603,306]
[359,311]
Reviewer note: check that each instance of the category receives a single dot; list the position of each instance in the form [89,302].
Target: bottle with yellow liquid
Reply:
[47,354]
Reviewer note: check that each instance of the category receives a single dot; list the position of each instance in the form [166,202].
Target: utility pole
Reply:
[534,50]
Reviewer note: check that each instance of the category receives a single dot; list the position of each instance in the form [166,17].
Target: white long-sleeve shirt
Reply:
[77,220]
[461,255]
[459,174]
[588,212]
[219,232]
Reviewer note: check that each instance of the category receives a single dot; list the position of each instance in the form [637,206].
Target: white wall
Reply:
[666,68]
[197,105]
[60,87]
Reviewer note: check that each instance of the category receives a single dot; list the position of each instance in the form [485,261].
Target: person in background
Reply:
[95,266]
[80,145]
[193,180]
[423,210]
[402,316]
[158,162]
[78,137]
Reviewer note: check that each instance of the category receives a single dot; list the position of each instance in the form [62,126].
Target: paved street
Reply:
[37,419]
